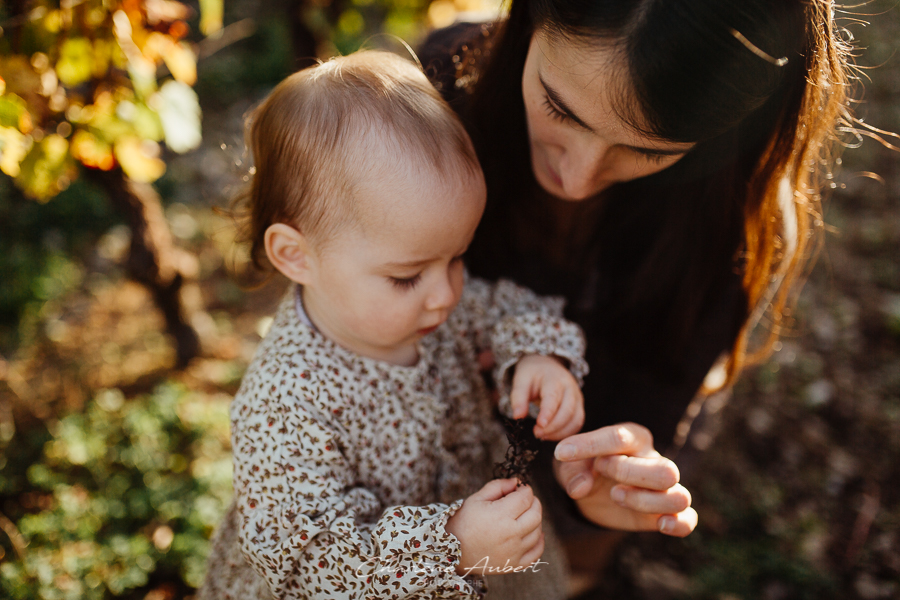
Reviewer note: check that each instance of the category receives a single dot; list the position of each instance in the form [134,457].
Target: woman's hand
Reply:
[619,481]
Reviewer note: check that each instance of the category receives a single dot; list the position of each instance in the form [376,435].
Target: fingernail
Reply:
[618,495]
[666,524]
[576,484]
[564,452]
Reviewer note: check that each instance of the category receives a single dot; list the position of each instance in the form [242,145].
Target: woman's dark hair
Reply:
[743,205]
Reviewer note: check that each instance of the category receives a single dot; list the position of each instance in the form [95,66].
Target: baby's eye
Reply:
[406,283]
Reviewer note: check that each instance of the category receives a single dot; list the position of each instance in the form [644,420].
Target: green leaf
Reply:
[76,61]
[351,22]
[47,169]
[11,109]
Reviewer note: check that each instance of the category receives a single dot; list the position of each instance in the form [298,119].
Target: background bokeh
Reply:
[114,456]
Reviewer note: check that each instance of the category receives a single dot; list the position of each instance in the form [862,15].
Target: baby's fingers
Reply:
[552,395]
[520,394]
[531,518]
[518,502]
[534,552]
[496,489]
[568,419]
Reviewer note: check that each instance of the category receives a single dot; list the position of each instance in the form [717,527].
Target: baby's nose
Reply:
[442,295]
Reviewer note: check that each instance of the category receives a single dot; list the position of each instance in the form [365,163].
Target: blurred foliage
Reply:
[125,492]
[42,248]
[87,83]
[83,85]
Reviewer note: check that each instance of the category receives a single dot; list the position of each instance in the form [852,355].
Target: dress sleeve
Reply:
[512,322]
[308,528]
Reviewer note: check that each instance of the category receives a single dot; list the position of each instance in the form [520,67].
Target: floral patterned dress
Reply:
[346,468]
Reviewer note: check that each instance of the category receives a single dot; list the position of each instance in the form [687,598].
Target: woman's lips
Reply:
[428,330]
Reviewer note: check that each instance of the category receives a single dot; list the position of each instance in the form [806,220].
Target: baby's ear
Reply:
[289,251]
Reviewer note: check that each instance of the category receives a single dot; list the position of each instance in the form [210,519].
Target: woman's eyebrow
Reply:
[563,107]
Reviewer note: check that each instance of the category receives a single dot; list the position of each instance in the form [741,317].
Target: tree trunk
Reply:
[152,260]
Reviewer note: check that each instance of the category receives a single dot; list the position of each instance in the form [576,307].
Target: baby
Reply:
[363,432]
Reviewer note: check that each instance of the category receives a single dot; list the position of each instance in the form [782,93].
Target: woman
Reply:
[658,163]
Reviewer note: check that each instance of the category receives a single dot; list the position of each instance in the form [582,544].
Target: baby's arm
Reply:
[498,526]
[539,355]
[306,524]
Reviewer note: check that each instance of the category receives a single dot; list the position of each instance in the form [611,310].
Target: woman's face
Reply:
[579,144]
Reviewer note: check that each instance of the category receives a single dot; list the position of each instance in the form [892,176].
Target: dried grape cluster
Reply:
[523,448]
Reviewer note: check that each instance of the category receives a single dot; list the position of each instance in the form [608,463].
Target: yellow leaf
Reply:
[143,76]
[76,61]
[91,151]
[53,21]
[103,53]
[441,13]
[181,62]
[20,77]
[211,12]
[155,46]
[46,169]
[165,11]
[139,159]
[13,148]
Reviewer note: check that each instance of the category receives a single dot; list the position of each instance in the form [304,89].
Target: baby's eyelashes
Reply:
[406,283]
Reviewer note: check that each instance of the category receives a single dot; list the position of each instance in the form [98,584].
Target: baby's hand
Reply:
[497,526]
[545,379]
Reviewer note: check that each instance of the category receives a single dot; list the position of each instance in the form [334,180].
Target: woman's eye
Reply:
[654,158]
[553,112]
[405,283]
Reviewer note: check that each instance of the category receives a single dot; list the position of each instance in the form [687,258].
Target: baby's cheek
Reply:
[392,322]
[457,280]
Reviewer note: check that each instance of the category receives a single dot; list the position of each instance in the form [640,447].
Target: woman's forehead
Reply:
[591,78]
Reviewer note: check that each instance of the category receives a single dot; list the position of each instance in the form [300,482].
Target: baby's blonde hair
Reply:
[305,140]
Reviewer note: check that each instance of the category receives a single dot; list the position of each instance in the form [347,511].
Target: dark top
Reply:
[621,386]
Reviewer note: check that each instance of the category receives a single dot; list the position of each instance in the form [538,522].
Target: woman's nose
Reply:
[582,169]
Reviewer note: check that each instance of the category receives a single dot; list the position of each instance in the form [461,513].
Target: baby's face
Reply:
[382,285]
